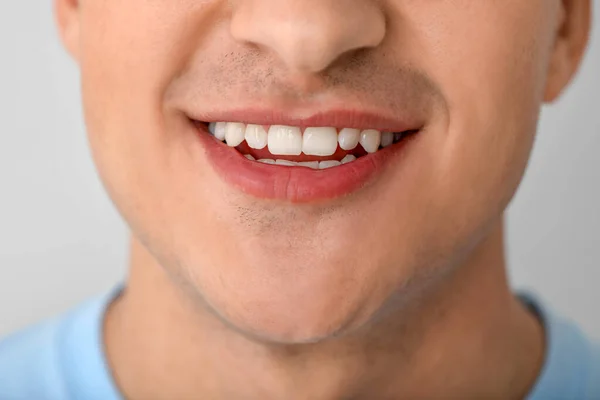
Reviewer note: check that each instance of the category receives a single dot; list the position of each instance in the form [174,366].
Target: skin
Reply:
[398,291]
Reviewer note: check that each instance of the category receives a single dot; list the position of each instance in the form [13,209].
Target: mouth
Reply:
[306,161]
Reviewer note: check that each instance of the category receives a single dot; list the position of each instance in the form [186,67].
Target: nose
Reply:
[309,35]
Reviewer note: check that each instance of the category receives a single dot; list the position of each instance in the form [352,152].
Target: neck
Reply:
[467,338]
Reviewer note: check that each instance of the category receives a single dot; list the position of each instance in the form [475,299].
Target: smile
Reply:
[300,163]
[290,146]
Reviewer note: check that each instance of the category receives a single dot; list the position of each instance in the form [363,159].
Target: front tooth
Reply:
[286,163]
[370,139]
[319,141]
[218,129]
[387,138]
[249,157]
[266,161]
[348,138]
[234,133]
[256,136]
[328,164]
[348,158]
[285,140]
[309,164]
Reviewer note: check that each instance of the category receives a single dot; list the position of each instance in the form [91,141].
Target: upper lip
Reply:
[338,118]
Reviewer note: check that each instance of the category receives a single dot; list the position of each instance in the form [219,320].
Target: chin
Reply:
[288,329]
[300,311]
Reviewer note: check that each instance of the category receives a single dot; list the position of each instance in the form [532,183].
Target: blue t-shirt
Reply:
[63,359]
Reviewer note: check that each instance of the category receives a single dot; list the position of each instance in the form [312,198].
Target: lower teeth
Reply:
[318,164]
[308,164]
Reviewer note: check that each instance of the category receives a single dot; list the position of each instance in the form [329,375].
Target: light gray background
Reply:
[62,241]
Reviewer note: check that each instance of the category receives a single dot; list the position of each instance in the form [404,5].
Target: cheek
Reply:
[129,53]
[493,80]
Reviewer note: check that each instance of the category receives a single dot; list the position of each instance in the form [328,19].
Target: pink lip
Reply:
[298,184]
[334,118]
[293,184]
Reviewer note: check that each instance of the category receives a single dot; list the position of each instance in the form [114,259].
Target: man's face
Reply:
[270,248]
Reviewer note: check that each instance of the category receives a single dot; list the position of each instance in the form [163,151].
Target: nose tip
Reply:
[309,35]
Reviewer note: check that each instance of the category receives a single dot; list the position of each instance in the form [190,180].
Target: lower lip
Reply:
[294,184]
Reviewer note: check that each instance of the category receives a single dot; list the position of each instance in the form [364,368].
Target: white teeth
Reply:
[370,139]
[291,141]
[286,163]
[348,138]
[319,141]
[256,136]
[329,164]
[387,138]
[309,164]
[218,129]
[348,158]
[234,133]
[285,140]
[249,157]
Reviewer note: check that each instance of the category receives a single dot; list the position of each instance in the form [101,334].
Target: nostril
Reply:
[308,36]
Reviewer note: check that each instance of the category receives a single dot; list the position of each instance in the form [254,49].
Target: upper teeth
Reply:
[289,140]
[283,140]
[370,140]
[348,138]
[234,133]
[256,136]
[319,141]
